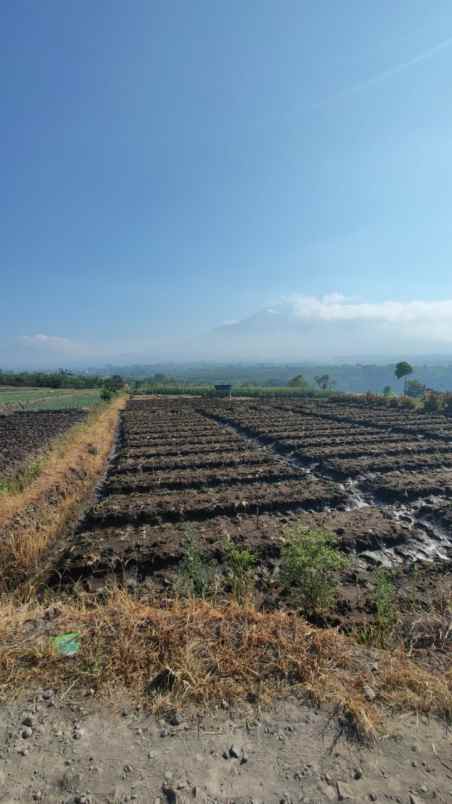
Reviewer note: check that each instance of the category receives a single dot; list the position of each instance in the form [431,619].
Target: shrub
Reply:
[106,394]
[309,563]
[433,403]
[240,564]
[297,382]
[196,574]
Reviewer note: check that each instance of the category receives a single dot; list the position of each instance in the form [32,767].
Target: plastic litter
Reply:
[67,644]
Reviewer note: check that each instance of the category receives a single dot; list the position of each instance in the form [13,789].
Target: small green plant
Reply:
[106,394]
[240,564]
[379,631]
[309,563]
[196,574]
[384,599]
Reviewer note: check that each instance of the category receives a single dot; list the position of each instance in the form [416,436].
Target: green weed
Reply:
[240,564]
[196,574]
[309,563]
[384,599]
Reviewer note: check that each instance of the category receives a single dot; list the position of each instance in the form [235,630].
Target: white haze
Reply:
[293,328]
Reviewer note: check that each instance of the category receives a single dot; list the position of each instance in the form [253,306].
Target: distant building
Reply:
[223,390]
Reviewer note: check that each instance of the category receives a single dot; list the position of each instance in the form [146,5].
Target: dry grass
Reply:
[195,651]
[32,518]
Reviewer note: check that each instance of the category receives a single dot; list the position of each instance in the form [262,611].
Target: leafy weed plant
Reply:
[240,565]
[196,574]
[310,561]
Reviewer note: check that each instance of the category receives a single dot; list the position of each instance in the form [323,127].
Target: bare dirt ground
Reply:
[54,749]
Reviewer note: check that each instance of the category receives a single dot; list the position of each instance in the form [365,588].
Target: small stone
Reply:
[27,720]
[48,694]
[176,719]
[369,692]
[343,793]
[235,752]
[373,796]
[358,773]
[27,732]
[414,799]
[243,758]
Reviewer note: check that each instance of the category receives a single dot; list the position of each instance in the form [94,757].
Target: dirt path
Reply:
[66,751]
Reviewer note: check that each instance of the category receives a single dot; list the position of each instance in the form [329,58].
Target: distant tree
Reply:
[403,369]
[298,382]
[414,388]
[325,382]
[114,383]
[387,390]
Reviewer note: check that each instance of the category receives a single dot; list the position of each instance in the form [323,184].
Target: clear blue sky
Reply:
[167,166]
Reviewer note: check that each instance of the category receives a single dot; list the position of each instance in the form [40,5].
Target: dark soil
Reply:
[24,434]
[242,478]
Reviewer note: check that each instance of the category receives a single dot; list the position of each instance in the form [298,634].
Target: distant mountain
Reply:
[282,333]
[324,329]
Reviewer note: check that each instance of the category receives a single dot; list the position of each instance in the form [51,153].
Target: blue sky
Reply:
[169,166]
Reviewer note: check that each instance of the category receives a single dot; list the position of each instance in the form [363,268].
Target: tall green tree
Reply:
[403,369]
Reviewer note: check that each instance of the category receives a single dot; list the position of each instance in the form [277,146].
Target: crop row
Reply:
[191,504]
[271,471]
[192,460]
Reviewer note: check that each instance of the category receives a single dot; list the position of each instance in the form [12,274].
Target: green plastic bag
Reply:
[67,644]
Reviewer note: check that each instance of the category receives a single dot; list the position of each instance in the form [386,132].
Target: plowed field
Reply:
[381,481]
[23,435]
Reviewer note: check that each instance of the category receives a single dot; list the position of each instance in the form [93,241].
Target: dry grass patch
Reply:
[195,651]
[34,516]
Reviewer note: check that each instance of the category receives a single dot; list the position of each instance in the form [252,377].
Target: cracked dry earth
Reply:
[54,749]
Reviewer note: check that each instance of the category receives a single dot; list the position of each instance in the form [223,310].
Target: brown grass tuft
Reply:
[198,652]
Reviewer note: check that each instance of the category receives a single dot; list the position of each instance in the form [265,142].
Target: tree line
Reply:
[58,379]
